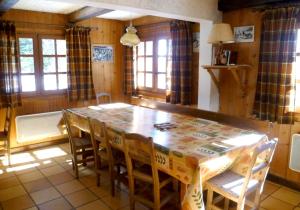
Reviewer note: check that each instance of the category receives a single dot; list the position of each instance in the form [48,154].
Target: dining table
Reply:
[188,148]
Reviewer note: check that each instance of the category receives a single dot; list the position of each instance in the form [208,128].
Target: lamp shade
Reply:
[130,38]
[221,33]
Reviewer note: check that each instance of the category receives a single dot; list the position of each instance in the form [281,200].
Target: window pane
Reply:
[62,64]
[26,46]
[27,64]
[149,64]
[170,47]
[141,66]
[141,79]
[162,64]
[297,67]
[149,80]
[141,48]
[28,83]
[61,47]
[62,81]
[162,47]
[48,46]
[50,82]
[298,40]
[161,81]
[149,48]
[49,64]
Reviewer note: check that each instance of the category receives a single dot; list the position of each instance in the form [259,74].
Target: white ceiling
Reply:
[47,6]
[121,15]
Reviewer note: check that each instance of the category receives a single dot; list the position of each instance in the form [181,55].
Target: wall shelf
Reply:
[234,71]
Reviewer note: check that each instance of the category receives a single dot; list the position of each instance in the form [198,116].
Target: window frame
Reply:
[38,64]
[154,91]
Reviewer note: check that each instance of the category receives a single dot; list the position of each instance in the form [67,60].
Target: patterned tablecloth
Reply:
[192,152]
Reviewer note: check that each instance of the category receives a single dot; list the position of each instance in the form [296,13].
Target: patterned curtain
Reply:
[275,82]
[10,93]
[80,78]
[129,87]
[182,46]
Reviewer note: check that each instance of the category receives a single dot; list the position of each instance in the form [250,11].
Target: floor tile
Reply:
[88,181]
[18,203]
[70,187]
[287,195]
[37,185]
[8,182]
[47,164]
[25,170]
[272,203]
[57,204]
[81,197]
[6,175]
[270,187]
[121,199]
[32,208]
[101,191]
[28,177]
[52,170]
[60,178]
[12,192]
[94,205]
[45,195]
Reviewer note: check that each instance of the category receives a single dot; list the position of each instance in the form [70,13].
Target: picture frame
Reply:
[196,42]
[244,34]
[102,53]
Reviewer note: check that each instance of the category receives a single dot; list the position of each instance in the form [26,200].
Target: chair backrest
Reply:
[259,166]
[8,120]
[140,149]
[99,136]
[103,97]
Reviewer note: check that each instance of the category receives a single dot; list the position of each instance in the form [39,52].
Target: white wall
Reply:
[208,96]
[192,10]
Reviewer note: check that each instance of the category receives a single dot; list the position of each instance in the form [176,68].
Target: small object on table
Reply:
[164,126]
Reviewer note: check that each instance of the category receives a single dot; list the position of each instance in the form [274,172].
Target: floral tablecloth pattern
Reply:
[192,152]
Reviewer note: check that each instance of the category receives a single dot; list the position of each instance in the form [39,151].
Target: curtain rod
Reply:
[275,6]
[67,26]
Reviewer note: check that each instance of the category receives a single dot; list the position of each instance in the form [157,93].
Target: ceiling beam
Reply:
[86,13]
[5,5]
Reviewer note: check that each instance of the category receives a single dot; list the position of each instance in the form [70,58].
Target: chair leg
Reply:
[226,204]
[209,199]
[241,204]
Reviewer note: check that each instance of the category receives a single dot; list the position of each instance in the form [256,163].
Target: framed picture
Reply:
[102,53]
[196,42]
[244,34]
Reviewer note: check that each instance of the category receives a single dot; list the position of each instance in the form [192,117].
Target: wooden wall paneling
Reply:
[280,161]
[231,101]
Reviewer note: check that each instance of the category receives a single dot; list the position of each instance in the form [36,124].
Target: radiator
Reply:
[38,126]
[295,153]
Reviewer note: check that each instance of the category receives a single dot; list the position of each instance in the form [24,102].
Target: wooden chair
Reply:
[5,134]
[80,146]
[103,98]
[139,150]
[235,187]
[104,151]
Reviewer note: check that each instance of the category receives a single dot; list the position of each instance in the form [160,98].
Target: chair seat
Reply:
[82,143]
[144,173]
[231,183]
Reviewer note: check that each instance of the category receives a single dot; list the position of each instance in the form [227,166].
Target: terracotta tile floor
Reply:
[43,179]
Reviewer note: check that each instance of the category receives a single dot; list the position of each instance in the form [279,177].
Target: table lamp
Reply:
[220,34]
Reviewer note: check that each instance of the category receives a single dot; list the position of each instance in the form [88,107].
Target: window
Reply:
[297,75]
[152,63]
[43,65]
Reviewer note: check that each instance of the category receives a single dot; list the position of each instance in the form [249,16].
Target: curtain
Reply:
[80,78]
[10,93]
[182,46]
[129,88]
[275,81]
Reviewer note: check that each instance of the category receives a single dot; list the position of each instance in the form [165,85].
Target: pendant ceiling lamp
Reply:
[130,38]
